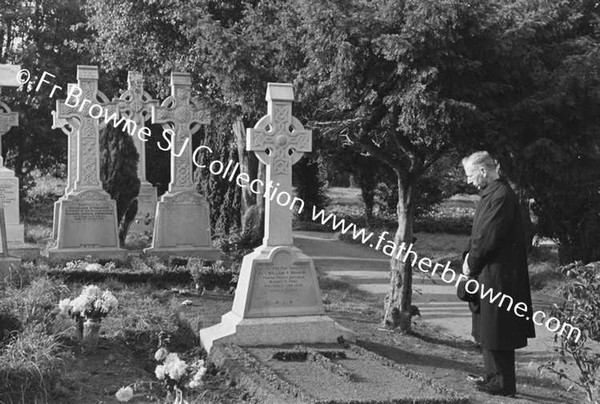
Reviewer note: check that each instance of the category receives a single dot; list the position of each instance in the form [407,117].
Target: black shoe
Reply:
[477,380]
[495,392]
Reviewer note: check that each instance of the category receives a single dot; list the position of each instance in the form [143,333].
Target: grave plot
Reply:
[327,373]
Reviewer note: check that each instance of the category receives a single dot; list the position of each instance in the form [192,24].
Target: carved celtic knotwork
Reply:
[136,104]
[272,132]
[85,127]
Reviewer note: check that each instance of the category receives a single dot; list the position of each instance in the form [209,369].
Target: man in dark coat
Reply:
[497,257]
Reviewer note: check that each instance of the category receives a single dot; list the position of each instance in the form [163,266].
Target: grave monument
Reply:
[87,216]
[182,225]
[277,300]
[136,104]
[9,183]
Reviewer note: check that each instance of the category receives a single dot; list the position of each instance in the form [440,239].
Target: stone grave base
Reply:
[60,254]
[182,226]
[8,268]
[207,253]
[274,331]
[24,251]
[15,233]
[147,199]
[327,374]
[87,225]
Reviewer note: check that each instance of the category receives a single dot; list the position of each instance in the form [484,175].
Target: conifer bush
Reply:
[118,173]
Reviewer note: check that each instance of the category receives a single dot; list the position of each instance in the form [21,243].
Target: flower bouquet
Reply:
[177,374]
[87,309]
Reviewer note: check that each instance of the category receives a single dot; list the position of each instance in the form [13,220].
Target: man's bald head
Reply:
[480,169]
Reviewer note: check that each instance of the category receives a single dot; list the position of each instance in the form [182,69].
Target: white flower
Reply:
[94,267]
[64,305]
[108,302]
[197,379]
[160,372]
[161,354]
[175,367]
[124,394]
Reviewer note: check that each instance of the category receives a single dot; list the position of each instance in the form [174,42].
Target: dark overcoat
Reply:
[498,259]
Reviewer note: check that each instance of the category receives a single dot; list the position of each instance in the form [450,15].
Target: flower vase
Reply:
[91,332]
[79,327]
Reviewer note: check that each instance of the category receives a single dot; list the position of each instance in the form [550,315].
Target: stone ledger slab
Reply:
[277,301]
[87,226]
[147,199]
[182,227]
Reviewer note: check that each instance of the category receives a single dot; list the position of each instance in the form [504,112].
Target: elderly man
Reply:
[497,258]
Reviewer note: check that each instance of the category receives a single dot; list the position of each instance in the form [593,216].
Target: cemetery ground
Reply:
[47,359]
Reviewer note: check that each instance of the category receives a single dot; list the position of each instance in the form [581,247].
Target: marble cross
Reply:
[8,119]
[86,128]
[136,104]
[279,140]
[184,115]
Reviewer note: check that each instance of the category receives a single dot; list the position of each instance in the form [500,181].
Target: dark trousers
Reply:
[500,370]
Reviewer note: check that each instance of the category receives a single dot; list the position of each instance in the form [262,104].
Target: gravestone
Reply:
[277,300]
[136,104]
[9,183]
[8,264]
[87,216]
[182,225]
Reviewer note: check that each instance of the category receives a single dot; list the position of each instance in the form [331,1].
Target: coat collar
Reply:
[492,186]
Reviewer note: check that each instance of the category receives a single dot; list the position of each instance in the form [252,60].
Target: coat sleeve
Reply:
[492,232]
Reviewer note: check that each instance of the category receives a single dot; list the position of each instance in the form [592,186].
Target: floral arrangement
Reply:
[177,374]
[79,265]
[92,303]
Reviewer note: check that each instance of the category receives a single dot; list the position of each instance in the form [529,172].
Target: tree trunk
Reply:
[367,181]
[398,303]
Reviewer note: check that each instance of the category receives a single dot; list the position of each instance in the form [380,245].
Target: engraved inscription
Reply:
[8,193]
[282,279]
[278,286]
[89,212]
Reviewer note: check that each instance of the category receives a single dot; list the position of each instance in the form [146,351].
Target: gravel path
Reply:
[368,270]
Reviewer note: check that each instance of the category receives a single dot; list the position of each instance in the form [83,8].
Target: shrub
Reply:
[580,309]
[118,173]
[238,244]
[210,276]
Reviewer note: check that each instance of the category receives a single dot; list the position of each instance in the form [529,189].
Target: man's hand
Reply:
[465,268]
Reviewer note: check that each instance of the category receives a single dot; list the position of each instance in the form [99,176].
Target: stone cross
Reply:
[86,127]
[8,119]
[279,140]
[185,115]
[136,104]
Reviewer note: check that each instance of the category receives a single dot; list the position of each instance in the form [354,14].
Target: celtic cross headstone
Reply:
[182,225]
[86,216]
[277,299]
[279,141]
[136,104]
